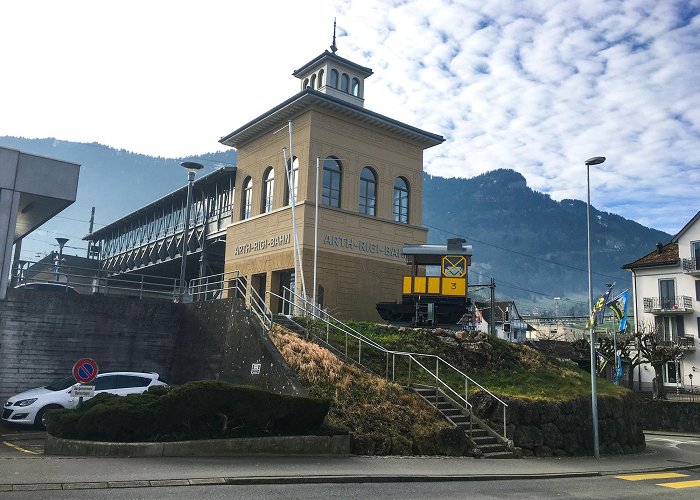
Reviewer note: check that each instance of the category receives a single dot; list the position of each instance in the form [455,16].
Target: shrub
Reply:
[196,410]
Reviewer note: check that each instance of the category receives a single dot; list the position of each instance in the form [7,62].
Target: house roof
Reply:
[663,255]
[301,102]
[686,227]
[362,70]
[500,307]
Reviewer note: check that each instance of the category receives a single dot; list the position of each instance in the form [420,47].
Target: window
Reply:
[345,83]
[695,255]
[670,327]
[306,82]
[697,289]
[313,81]
[129,381]
[268,189]
[105,383]
[667,294]
[320,78]
[333,82]
[401,200]
[356,87]
[368,192]
[330,194]
[247,199]
[292,174]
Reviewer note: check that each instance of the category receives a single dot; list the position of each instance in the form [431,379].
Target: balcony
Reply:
[681,304]
[686,343]
[691,267]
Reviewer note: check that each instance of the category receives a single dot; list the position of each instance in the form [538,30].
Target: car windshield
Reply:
[59,385]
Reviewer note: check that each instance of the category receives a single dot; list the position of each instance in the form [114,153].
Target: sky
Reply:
[536,86]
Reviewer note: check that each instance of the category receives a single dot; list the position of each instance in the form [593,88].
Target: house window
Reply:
[401,200]
[293,177]
[669,327]
[268,189]
[306,82]
[247,199]
[313,82]
[333,82]
[672,372]
[320,78]
[356,87]
[697,289]
[332,173]
[368,191]
[345,83]
[667,294]
[695,255]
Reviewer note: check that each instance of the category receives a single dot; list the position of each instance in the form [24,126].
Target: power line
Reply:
[553,262]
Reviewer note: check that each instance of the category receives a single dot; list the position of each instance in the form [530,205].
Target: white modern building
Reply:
[666,291]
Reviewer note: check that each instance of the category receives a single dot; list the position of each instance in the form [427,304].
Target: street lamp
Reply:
[61,243]
[192,167]
[596,160]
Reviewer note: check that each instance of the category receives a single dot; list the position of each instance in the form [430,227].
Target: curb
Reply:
[338,445]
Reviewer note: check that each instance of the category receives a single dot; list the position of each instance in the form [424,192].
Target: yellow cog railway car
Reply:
[436,290]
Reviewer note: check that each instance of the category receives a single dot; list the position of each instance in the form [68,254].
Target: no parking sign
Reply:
[85,370]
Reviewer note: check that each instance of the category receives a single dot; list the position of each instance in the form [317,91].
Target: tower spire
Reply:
[334,49]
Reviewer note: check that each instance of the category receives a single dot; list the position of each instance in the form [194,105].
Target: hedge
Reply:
[196,410]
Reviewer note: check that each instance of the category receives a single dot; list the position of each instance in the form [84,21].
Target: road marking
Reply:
[644,477]
[681,484]
[19,448]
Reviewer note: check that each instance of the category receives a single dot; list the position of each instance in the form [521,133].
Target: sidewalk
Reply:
[665,452]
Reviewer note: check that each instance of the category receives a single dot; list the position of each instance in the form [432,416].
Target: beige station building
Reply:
[370,181]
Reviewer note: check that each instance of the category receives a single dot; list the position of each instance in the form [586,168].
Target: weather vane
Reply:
[334,49]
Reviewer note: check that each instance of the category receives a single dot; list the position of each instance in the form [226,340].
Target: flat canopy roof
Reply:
[45,185]
[307,98]
[433,254]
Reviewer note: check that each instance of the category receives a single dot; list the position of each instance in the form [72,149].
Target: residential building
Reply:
[666,297]
[509,324]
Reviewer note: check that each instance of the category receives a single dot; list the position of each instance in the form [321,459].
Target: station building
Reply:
[369,190]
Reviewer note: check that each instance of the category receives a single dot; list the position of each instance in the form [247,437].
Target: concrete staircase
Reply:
[482,436]
[288,323]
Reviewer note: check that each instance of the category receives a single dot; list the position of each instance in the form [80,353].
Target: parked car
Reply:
[48,286]
[29,407]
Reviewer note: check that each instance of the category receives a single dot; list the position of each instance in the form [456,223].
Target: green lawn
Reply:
[508,370]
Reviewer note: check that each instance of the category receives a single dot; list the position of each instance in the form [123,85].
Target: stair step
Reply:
[452,411]
[499,454]
[492,448]
[484,440]
[459,419]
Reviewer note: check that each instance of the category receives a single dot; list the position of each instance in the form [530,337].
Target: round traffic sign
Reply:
[85,370]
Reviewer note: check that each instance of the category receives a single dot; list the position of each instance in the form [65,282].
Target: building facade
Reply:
[666,291]
[321,152]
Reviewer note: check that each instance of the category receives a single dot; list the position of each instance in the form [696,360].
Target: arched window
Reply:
[247,199]
[356,87]
[320,78]
[268,189]
[332,172]
[313,82]
[306,82]
[401,200]
[345,83]
[368,192]
[333,82]
[294,175]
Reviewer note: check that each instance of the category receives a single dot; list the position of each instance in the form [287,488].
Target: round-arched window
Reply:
[268,190]
[332,174]
[401,198]
[356,87]
[247,199]
[368,192]
[345,83]
[333,82]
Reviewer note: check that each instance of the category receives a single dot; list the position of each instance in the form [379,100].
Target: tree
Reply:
[626,344]
[656,350]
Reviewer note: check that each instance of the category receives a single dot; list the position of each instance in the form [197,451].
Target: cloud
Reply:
[541,86]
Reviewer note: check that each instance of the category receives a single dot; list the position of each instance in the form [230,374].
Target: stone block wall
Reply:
[565,428]
[671,416]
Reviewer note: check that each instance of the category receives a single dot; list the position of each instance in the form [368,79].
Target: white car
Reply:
[29,407]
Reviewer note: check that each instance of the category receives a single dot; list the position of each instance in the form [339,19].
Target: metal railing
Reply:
[411,367]
[99,281]
[691,266]
[679,303]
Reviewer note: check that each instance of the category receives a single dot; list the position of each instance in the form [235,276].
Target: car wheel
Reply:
[40,419]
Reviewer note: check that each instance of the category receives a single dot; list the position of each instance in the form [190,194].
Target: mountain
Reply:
[533,246]
[114,181]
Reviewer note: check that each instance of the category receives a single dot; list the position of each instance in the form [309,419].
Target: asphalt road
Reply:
[581,488]
[18,441]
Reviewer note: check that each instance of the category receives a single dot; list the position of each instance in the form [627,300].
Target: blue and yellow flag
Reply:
[598,310]
[619,307]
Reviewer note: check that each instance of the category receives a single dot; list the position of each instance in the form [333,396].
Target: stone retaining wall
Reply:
[565,428]
[673,416]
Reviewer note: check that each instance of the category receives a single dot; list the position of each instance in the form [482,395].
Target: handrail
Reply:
[379,346]
[411,356]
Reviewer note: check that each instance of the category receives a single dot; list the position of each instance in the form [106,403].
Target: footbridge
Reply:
[149,240]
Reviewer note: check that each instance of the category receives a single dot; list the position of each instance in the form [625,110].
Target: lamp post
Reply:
[192,167]
[61,243]
[596,160]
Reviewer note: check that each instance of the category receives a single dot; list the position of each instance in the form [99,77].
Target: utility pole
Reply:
[492,326]
[92,223]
